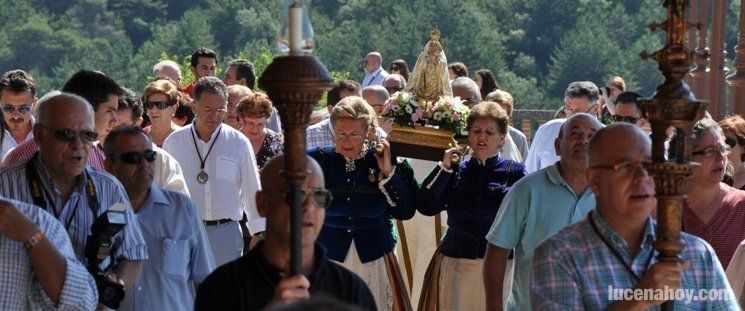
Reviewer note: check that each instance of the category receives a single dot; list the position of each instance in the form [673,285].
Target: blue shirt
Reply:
[20,289]
[471,195]
[179,253]
[574,269]
[76,211]
[363,205]
[536,207]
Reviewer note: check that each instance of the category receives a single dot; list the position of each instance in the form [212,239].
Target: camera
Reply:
[100,245]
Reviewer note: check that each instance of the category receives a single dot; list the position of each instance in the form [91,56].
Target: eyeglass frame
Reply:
[10,108]
[618,166]
[58,135]
[304,195]
[149,155]
[161,104]
[713,152]
[615,118]
[567,109]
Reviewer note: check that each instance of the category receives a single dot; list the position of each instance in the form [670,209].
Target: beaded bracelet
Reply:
[35,239]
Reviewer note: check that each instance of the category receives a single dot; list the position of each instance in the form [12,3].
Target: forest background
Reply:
[534,47]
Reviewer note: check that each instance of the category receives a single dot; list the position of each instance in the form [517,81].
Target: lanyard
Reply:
[617,254]
[203,161]
[373,78]
[38,193]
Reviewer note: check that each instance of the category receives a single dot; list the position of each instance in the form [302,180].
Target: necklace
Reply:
[202,177]
[711,204]
[349,166]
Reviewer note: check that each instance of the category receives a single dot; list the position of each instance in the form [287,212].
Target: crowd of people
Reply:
[175,198]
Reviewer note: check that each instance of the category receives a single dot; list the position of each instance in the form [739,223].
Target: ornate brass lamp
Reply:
[295,84]
[673,105]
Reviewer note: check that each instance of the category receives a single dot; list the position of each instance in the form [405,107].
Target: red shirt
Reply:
[28,148]
[189,89]
[725,230]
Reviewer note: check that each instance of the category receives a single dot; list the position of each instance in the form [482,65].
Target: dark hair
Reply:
[403,68]
[212,85]
[583,89]
[459,69]
[18,81]
[244,70]
[488,82]
[333,97]
[94,86]
[185,108]
[122,130]
[129,99]
[630,98]
[202,52]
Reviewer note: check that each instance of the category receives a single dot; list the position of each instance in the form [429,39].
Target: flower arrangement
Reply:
[448,113]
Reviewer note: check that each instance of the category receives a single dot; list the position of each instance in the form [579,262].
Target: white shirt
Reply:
[233,178]
[375,78]
[542,152]
[167,172]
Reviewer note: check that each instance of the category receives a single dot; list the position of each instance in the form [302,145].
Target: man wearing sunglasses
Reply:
[629,110]
[257,279]
[172,228]
[17,97]
[57,179]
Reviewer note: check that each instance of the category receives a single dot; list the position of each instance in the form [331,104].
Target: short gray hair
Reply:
[212,85]
[467,83]
[583,89]
[43,105]
[706,126]
[166,63]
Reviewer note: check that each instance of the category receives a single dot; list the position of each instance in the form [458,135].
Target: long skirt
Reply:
[452,284]
[383,277]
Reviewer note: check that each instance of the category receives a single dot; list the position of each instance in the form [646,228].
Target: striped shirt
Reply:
[76,211]
[321,134]
[725,230]
[28,148]
[574,269]
[20,289]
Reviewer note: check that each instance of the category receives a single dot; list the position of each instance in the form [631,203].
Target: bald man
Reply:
[374,72]
[57,179]
[394,83]
[467,90]
[536,207]
[595,263]
[256,280]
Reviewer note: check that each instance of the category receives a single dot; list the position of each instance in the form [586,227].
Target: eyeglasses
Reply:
[570,110]
[626,169]
[352,136]
[211,110]
[135,157]
[69,135]
[22,109]
[393,89]
[159,104]
[321,197]
[394,68]
[712,152]
[617,118]
[732,142]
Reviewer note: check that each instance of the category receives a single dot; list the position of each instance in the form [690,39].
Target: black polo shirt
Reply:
[248,283]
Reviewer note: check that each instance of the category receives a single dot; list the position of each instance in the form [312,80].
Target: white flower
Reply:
[396,108]
[437,116]
[404,97]
[409,110]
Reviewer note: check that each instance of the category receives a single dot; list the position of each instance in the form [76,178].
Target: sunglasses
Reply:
[617,118]
[136,157]
[159,104]
[731,142]
[321,197]
[394,68]
[69,135]
[23,109]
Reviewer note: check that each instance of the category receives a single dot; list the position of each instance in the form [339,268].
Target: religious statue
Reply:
[429,79]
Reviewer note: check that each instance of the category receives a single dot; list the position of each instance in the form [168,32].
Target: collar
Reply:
[212,136]
[155,196]
[49,184]
[611,235]
[554,176]
[490,160]
[274,273]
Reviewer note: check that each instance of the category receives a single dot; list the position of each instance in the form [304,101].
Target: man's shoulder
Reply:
[568,240]
[515,133]
[319,126]
[534,181]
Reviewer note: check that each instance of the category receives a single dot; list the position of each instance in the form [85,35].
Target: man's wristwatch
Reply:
[35,239]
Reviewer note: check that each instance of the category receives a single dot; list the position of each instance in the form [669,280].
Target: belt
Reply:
[216,222]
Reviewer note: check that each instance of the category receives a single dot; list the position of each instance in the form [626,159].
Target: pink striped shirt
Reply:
[28,148]
[725,230]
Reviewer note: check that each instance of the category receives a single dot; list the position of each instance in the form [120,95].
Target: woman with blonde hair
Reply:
[734,136]
[369,190]
[160,100]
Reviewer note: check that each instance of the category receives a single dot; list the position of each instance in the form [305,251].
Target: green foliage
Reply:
[534,47]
